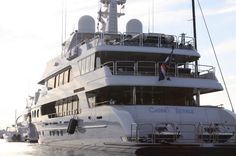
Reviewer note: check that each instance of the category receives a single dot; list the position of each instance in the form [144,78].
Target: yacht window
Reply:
[50,84]
[80,67]
[64,107]
[142,95]
[70,106]
[75,106]
[98,62]
[92,62]
[61,79]
[48,109]
[37,113]
[91,100]
[69,75]
[87,64]
[83,66]
[60,109]
[66,76]
[146,68]
[57,108]
[125,68]
[57,80]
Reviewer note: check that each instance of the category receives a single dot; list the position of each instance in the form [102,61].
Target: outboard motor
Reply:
[72,126]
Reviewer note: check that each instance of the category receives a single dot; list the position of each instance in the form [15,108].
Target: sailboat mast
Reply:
[195,45]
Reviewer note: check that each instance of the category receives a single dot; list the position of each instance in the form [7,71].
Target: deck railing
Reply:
[151,68]
[182,133]
[147,40]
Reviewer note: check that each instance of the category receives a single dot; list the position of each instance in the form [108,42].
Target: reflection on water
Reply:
[27,149]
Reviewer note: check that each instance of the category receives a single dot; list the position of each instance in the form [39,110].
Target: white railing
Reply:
[151,68]
[147,40]
[182,133]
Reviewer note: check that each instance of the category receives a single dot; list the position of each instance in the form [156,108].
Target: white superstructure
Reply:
[108,82]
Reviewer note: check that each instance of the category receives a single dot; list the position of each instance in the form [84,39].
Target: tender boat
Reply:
[14,134]
[130,91]
[1,133]
[23,130]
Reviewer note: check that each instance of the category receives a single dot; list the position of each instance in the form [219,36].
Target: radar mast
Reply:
[109,17]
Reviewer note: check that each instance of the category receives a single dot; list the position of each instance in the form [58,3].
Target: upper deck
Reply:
[81,44]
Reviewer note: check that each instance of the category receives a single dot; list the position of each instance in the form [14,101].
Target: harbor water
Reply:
[34,149]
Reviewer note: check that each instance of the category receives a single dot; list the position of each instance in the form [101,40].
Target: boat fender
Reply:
[72,126]
[18,137]
[14,137]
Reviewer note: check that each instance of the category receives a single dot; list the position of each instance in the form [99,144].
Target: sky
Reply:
[31,34]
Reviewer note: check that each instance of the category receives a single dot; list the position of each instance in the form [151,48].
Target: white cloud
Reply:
[223,10]
[225,47]
[228,46]
[230,2]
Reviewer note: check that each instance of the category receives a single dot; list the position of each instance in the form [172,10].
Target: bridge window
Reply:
[59,79]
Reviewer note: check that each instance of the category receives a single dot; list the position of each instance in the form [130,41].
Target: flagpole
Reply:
[194,24]
[195,45]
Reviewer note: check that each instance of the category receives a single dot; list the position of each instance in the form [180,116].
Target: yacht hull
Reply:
[119,128]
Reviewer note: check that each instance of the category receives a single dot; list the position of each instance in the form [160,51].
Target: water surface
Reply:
[34,149]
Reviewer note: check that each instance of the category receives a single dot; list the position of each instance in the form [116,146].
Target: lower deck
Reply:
[136,125]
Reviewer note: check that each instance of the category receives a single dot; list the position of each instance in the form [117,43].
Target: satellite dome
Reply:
[134,26]
[86,24]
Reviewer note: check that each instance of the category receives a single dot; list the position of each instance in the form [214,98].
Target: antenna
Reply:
[63,23]
[99,15]
[153,15]
[63,20]
[109,17]
[149,17]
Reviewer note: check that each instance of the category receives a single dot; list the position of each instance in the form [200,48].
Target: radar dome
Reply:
[86,24]
[134,26]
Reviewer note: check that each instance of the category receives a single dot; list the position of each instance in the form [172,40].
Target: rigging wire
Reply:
[153,15]
[62,26]
[213,48]
[65,19]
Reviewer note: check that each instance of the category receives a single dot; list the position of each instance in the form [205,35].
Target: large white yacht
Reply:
[129,91]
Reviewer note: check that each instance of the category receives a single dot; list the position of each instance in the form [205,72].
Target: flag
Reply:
[162,71]
[164,66]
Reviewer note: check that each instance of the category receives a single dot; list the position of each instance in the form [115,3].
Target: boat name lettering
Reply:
[158,110]
[184,111]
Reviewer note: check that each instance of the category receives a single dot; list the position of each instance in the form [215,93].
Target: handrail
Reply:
[146,40]
[182,133]
[151,68]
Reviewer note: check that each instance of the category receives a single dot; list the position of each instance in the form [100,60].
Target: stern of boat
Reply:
[177,126]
